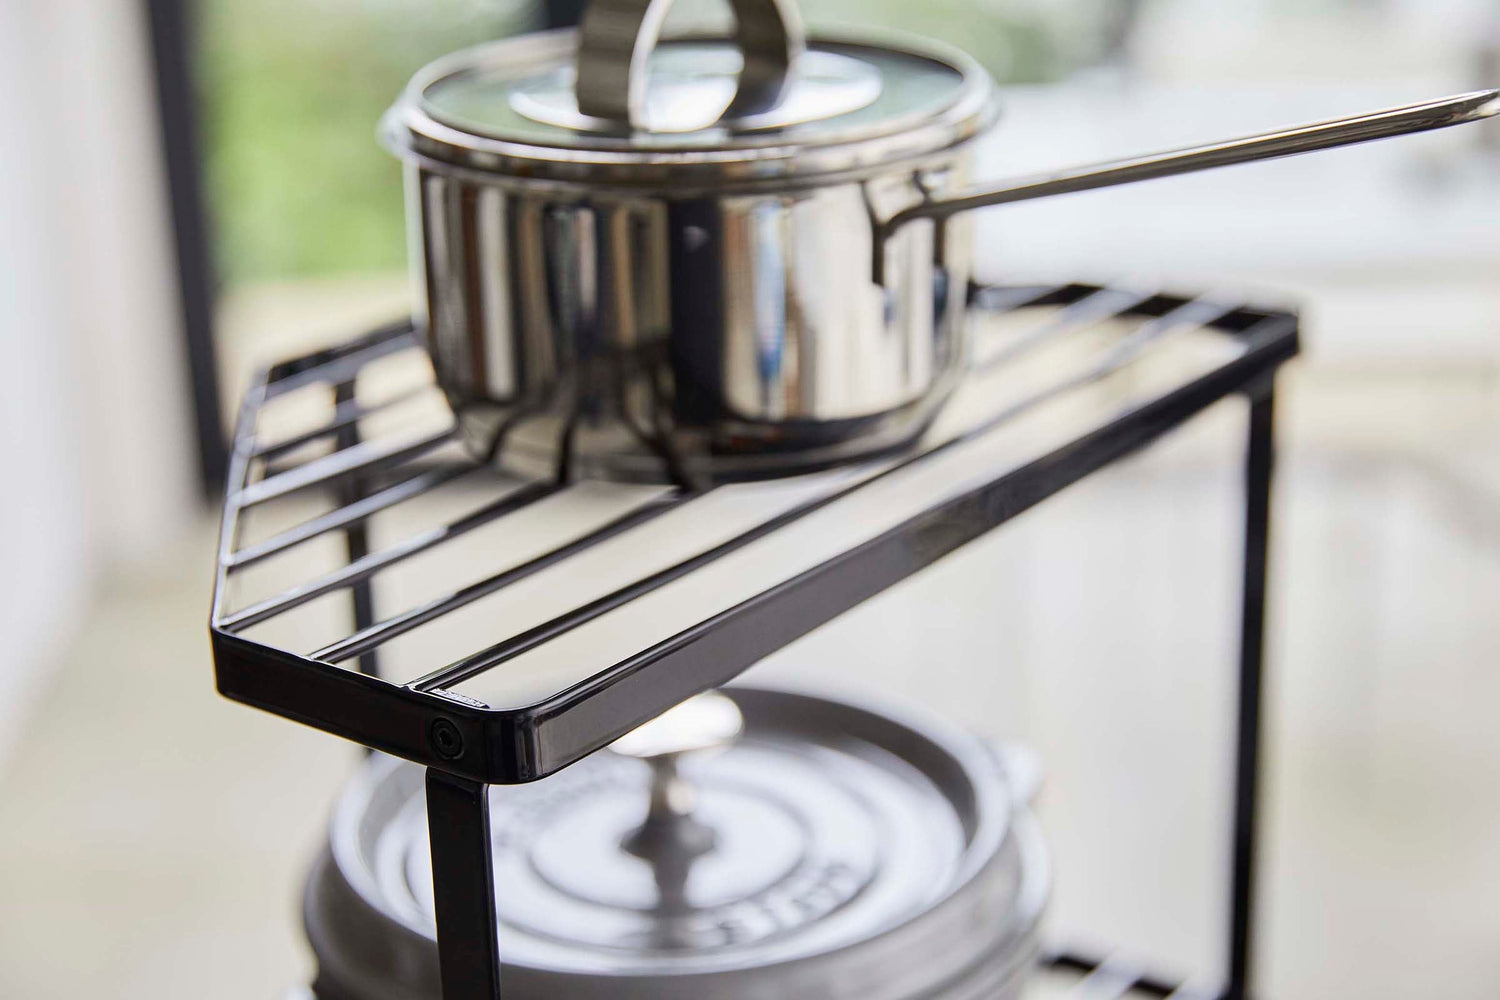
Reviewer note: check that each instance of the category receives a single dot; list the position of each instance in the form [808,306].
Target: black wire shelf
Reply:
[1065,976]
[1078,976]
[555,643]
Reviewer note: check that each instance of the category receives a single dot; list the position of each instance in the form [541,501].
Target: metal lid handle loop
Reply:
[1457,110]
[617,37]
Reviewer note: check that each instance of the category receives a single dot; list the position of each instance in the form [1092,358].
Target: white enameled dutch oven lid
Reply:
[854,855]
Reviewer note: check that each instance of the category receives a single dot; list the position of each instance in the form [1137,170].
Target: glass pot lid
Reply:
[610,103]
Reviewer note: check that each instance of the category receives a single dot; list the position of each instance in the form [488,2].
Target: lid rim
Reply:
[410,128]
[997,818]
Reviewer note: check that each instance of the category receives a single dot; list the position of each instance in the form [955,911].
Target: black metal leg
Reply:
[172,46]
[463,881]
[356,536]
[1259,462]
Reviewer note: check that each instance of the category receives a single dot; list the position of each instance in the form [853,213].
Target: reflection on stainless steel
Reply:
[664,306]
[1457,110]
[645,337]
[641,336]
[651,304]
[692,88]
[708,721]
[460,111]
[616,38]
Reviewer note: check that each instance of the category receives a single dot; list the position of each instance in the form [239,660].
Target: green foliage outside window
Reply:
[291,91]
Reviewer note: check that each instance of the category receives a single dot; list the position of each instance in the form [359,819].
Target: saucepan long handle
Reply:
[1262,146]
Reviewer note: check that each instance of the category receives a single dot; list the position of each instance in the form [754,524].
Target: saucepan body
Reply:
[691,307]
[734,334]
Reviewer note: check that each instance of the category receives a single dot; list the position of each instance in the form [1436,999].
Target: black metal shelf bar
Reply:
[338,363]
[378,633]
[1112,980]
[1103,978]
[230,525]
[1073,320]
[497,654]
[361,569]
[1097,307]
[361,459]
[1189,314]
[1004,298]
[352,489]
[354,513]
[1192,313]
[1093,308]
[346,413]
[719,648]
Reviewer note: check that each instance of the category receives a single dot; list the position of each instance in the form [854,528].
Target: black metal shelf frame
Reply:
[467,745]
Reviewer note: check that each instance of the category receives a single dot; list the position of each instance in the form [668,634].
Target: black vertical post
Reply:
[463,886]
[562,13]
[171,46]
[357,535]
[1259,462]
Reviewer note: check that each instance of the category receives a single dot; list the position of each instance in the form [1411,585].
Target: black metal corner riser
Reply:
[458,810]
[517,745]
[1259,469]
[468,744]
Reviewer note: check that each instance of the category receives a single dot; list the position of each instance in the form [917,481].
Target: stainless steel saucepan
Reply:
[714,259]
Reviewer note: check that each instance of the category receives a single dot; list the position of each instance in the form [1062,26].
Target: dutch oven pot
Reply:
[831,851]
[714,259]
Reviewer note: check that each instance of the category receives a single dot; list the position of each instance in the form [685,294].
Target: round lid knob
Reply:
[670,838]
[617,37]
[703,722]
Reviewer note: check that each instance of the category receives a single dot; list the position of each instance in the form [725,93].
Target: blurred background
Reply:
[192,189]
